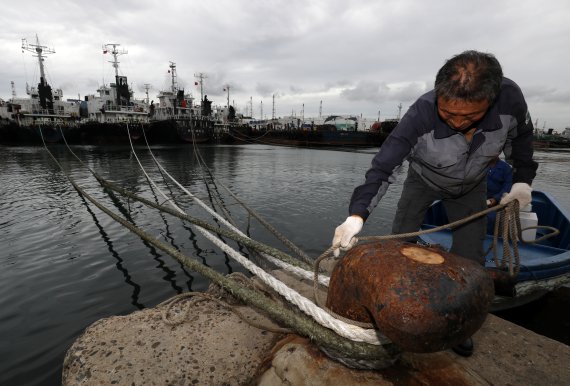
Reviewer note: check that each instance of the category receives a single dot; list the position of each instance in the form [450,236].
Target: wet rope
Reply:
[281,257]
[301,323]
[290,264]
[508,224]
[259,274]
[507,215]
[345,330]
[220,297]
[196,297]
[254,214]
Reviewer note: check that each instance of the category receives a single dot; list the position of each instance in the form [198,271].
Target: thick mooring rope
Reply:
[253,213]
[301,323]
[507,221]
[298,269]
[321,316]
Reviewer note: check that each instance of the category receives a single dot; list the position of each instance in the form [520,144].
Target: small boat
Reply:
[544,266]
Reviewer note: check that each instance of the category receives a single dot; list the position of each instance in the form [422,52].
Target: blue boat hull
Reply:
[543,266]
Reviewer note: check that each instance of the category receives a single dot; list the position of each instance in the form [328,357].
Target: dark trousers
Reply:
[416,198]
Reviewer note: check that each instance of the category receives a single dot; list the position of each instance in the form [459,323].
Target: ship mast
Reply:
[122,91]
[115,52]
[40,52]
[201,76]
[44,89]
[174,77]
[146,88]
[227,89]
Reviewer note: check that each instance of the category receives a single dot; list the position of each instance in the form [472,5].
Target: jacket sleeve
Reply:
[389,158]
[506,179]
[519,148]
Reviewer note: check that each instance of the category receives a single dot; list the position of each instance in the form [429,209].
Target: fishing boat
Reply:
[544,265]
[99,119]
[25,120]
[333,131]
[106,116]
[175,118]
[550,140]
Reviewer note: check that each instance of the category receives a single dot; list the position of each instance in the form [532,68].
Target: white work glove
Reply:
[344,234]
[520,191]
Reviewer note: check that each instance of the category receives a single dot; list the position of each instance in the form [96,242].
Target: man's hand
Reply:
[520,191]
[344,234]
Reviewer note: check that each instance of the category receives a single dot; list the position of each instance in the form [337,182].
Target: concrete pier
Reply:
[212,346]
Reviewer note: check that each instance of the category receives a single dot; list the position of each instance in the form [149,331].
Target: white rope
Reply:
[346,330]
[321,316]
[297,271]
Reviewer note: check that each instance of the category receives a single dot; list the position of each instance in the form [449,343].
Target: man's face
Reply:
[461,115]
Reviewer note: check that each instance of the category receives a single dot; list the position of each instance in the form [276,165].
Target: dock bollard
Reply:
[423,299]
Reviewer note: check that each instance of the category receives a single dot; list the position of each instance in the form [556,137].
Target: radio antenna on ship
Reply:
[146,88]
[44,89]
[173,77]
[115,52]
[201,76]
[40,51]
[227,89]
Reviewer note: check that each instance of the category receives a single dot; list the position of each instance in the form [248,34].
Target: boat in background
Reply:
[99,119]
[544,266]
[105,116]
[42,114]
[175,119]
[333,131]
[551,140]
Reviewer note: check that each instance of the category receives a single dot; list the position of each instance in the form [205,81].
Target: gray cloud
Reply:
[356,56]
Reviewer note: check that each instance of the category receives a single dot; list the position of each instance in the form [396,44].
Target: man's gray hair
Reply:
[470,76]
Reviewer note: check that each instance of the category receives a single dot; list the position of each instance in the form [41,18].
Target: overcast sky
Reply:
[357,57]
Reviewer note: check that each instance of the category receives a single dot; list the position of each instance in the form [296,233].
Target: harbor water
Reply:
[65,264]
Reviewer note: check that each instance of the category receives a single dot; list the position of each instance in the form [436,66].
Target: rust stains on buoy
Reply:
[423,299]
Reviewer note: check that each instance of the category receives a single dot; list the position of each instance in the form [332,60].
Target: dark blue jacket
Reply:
[499,180]
[443,157]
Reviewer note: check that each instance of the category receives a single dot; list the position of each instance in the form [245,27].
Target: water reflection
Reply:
[168,236]
[119,264]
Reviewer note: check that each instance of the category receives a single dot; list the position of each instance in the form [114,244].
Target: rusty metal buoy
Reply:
[423,299]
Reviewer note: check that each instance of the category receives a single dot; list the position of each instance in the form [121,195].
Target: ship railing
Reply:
[103,119]
[125,109]
[52,121]
[45,113]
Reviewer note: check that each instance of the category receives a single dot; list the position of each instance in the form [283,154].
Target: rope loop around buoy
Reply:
[507,224]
